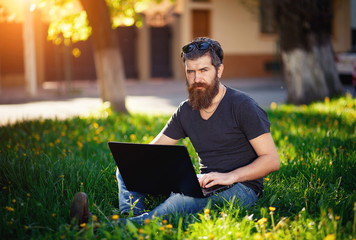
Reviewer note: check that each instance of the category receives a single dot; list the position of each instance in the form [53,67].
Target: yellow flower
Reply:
[133,137]
[115,217]
[80,145]
[272,209]
[273,105]
[266,179]
[327,99]
[262,221]
[169,226]
[257,237]
[330,237]
[53,214]
[337,218]
[147,221]
[238,234]
[62,176]
[206,211]
[212,236]
[13,200]
[83,225]
[141,231]
[10,209]
[161,228]
[95,125]
[164,222]
[28,195]
[95,218]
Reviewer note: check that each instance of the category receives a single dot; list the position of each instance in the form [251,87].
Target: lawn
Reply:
[45,162]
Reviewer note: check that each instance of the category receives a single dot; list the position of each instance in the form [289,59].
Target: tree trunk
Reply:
[107,55]
[304,77]
[304,30]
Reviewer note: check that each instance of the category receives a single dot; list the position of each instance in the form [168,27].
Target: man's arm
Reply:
[266,162]
[164,140]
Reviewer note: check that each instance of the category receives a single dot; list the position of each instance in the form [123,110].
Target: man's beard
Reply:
[202,98]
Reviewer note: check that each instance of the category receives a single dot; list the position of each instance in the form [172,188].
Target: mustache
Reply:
[196,85]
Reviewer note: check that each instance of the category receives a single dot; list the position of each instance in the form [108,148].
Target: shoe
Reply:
[79,211]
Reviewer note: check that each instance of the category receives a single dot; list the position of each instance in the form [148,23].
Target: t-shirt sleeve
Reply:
[253,120]
[174,128]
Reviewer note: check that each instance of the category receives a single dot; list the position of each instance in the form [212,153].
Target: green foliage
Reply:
[43,163]
[69,21]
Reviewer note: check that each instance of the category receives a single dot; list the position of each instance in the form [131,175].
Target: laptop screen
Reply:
[156,169]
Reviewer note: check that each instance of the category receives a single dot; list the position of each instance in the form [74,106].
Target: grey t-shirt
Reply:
[222,141]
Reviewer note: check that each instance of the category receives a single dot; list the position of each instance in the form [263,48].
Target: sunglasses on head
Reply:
[199,45]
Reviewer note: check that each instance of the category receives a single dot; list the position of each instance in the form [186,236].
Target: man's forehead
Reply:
[202,62]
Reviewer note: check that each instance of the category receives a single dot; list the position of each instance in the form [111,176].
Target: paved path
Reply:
[154,97]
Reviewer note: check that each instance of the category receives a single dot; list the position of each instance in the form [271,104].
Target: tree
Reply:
[304,29]
[98,19]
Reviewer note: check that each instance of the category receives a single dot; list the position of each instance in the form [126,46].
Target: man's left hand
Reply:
[214,178]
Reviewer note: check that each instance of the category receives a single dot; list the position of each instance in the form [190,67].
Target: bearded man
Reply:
[229,131]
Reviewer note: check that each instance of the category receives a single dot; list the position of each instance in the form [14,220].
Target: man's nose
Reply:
[198,77]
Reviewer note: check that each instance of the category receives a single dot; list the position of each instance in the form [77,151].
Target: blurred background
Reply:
[58,44]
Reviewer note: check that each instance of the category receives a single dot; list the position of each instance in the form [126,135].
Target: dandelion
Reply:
[164,222]
[262,221]
[9,209]
[4,188]
[330,237]
[147,221]
[28,195]
[95,125]
[212,236]
[83,225]
[94,218]
[13,200]
[80,145]
[326,100]
[266,179]
[169,226]
[62,176]
[115,217]
[133,137]
[337,218]
[272,209]
[238,234]
[161,228]
[206,211]
[53,214]
[141,231]
[273,105]
[257,237]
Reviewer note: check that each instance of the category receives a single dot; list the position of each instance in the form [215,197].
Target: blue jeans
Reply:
[179,203]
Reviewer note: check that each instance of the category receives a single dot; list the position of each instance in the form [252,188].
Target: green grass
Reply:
[43,163]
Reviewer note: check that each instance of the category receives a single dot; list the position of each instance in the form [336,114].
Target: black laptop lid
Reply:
[156,169]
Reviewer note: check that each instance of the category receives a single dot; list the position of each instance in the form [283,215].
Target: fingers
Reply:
[208,180]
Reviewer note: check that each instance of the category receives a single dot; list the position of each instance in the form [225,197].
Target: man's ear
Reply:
[220,70]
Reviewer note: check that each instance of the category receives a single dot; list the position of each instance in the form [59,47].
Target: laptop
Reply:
[159,169]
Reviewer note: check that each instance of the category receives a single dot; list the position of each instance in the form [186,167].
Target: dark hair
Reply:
[215,51]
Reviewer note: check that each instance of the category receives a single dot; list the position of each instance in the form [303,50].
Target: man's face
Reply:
[202,81]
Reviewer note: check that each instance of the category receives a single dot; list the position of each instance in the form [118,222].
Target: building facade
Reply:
[153,51]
